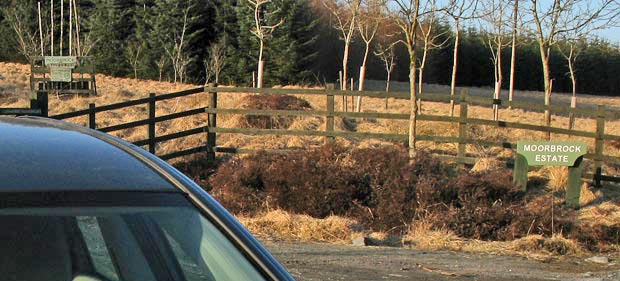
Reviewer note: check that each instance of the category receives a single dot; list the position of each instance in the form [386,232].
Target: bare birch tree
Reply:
[184,61]
[458,10]
[75,15]
[161,66]
[495,18]
[554,18]
[215,62]
[513,49]
[371,16]
[432,40]
[406,14]
[25,36]
[262,32]
[133,54]
[570,52]
[345,14]
[388,57]
[176,50]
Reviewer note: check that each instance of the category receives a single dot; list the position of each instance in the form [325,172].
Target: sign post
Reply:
[544,153]
[61,68]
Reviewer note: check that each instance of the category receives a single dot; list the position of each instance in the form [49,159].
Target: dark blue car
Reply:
[76,204]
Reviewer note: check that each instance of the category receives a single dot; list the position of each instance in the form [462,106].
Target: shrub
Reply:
[309,182]
[271,102]
[238,185]
[385,191]
[597,236]
[199,169]
[374,185]
[479,206]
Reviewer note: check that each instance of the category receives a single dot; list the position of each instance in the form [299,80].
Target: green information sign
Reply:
[546,153]
[60,74]
[61,67]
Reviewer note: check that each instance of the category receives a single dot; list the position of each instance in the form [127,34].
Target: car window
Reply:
[191,267]
[116,237]
[99,254]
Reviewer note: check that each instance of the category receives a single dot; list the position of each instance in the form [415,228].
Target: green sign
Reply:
[61,74]
[556,153]
[61,68]
[67,61]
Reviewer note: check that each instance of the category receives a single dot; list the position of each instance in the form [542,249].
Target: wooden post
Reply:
[92,123]
[519,174]
[352,99]
[211,136]
[573,186]
[151,123]
[598,150]
[43,102]
[329,119]
[462,149]
[39,101]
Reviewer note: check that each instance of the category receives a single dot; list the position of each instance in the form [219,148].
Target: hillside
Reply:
[603,209]
[14,89]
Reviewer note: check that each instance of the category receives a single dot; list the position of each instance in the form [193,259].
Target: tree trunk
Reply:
[259,77]
[62,28]
[71,30]
[387,88]
[78,51]
[413,114]
[345,62]
[40,29]
[547,80]
[361,88]
[573,101]
[454,66]
[362,78]
[421,75]
[52,27]
[261,64]
[513,55]
[498,82]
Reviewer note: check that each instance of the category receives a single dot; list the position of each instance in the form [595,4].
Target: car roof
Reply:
[38,154]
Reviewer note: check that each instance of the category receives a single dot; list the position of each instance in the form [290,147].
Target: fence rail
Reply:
[462,139]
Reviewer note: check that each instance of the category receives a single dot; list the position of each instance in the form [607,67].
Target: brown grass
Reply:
[279,224]
[558,177]
[14,89]
[421,235]
[587,196]
[607,213]
[282,225]
[555,245]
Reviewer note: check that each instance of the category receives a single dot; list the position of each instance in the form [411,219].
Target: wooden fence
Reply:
[463,120]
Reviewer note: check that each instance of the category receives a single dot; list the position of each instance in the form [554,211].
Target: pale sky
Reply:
[611,34]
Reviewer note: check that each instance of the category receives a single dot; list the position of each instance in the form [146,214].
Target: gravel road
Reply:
[310,261]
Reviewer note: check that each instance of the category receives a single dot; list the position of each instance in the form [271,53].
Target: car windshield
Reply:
[114,236]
